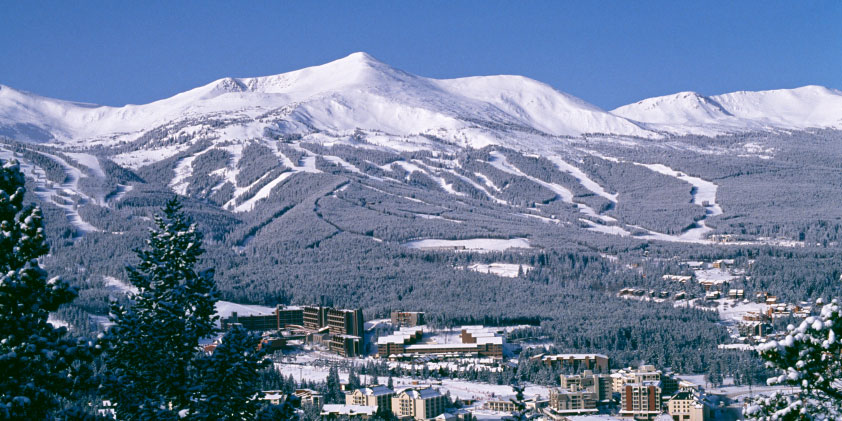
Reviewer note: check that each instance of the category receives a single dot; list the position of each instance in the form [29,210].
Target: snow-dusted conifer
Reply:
[40,364]
[810,360]
[228,383]
[155,339]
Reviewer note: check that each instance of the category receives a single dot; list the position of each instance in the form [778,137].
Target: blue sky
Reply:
[607,52]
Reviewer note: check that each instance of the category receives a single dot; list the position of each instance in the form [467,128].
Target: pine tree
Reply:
[228,385]
[155,339]
[40,364]
[334,391]
[809,358]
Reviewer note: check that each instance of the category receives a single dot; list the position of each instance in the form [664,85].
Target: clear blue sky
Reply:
[607,52]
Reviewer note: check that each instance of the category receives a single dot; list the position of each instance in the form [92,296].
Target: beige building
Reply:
[622,377]
[599,385]
[566,402]
[641,401]
[379,396]
[685,406]
[419,404]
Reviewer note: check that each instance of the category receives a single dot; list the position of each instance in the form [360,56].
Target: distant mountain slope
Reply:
[689,112]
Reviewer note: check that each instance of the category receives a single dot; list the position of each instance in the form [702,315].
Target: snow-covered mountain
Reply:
[360,92]
[689,112]
[355,92]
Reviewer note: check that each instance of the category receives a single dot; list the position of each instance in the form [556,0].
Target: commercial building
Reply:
[419,404]
[407,318]
[686,406]
[598,363]
[641,401]
[379,396]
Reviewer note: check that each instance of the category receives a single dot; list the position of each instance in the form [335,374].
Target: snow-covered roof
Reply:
[378,390]
[574,356]
[426,393]
[348,409]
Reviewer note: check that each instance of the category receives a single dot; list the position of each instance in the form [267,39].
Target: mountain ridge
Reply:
[358,91]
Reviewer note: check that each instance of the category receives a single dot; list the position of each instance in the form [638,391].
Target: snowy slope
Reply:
[690,112]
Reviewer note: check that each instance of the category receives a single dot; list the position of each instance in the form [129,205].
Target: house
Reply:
[274,397]
[736,294]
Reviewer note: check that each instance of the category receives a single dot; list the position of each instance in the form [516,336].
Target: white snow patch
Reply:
[476,244]
[507,270]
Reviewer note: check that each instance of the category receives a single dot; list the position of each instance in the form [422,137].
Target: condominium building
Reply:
[407,318]
[622,377]
[419,404]
[282,317]
[641,401]
[686,406]
[596,362]
[348,346]
[346,322]
[314,317]
[379,396]
[309,397]
[599,385]
[500,405]
[475,341]
[566,402]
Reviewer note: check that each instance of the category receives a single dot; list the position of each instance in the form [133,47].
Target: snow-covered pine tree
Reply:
[40,364]
[810,359]
[228,384]
[154,340]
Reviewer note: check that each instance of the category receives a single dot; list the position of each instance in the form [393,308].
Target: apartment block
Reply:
[599,385]
[314,317]
[565,402]
[379,396]
[622,377]
[348,346]
[641,401]
[418,404]
[346,322]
